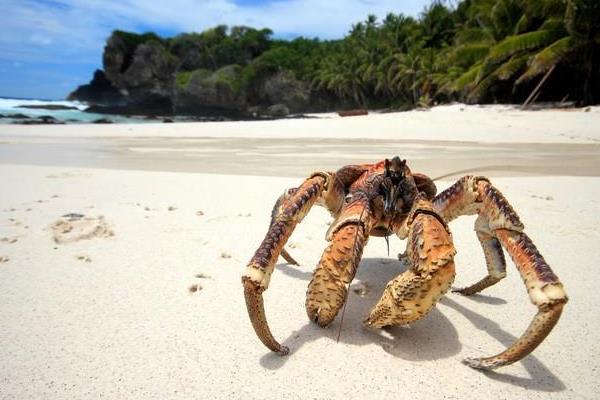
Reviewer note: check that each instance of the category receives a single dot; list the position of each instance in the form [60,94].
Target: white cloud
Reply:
[75,30]
[327,19]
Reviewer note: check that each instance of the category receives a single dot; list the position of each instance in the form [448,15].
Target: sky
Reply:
[49,47]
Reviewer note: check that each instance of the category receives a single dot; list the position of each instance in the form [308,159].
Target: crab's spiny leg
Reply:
[348,236]
[497,218]
[430,252]
[545,291]
[459,199]
[496,264]
[277,210]
[327,290]
[463,198]
[258,272]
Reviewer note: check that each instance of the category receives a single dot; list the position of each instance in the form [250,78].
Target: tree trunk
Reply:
[538,87]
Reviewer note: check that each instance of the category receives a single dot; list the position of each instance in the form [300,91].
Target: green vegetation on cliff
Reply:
[477,51]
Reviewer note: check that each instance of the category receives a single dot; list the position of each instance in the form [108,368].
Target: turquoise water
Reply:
[11,106]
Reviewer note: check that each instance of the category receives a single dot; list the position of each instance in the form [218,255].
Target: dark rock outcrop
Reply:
[98,91]
[102,121]
[51,107]
[143,74]
[203,92]
[14,116]
[283,88]
[277,111]
[41,120]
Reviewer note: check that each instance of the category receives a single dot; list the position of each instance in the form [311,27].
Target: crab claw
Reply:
[256,311]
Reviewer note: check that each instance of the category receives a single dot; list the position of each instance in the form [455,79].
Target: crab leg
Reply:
[277,210]
[545,291]
[496,264]
[497,219]
[320,186]
[348,236]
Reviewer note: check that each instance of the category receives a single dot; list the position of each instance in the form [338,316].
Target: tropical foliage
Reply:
[471,50]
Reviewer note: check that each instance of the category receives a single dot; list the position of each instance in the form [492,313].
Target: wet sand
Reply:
[495,140]
[300,156]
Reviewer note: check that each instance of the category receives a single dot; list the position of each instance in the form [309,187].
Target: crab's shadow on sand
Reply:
[433,337]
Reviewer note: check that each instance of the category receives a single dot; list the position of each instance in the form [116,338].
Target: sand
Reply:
[155,309]
[456,122]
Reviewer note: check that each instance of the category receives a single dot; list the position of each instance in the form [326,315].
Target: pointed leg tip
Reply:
[283,351]
[321,316]
[288,258]
[372,323]
[291,261]
[461,291]
[480,363]
[474,363]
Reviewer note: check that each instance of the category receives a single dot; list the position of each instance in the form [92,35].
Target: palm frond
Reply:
[480,89]
[468,54]
[521,25]
[469,78]
[473,34]
[539,8]
[511,67]
[553,24]
[517,43]
[551,55]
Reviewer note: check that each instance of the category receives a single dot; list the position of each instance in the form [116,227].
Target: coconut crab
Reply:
[386,197]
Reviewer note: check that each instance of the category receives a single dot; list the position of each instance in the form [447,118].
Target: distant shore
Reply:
[453,122]
[495,140]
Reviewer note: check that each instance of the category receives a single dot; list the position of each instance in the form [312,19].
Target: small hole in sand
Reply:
[194,288]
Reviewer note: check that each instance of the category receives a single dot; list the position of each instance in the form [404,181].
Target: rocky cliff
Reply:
[148,75]
[99,91]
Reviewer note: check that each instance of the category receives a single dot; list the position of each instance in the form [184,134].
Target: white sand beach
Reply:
[149,303]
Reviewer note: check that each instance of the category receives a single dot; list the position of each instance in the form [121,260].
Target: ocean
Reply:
[12,111]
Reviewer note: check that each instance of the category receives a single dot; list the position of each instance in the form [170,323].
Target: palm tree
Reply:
[578,45]
[338,74]
[569,34]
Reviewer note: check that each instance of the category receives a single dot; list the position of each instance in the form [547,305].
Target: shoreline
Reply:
[298,157]
[457,122]
[492,140]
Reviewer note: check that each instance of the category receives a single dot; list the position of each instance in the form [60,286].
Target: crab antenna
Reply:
[387,242]
[475,169]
